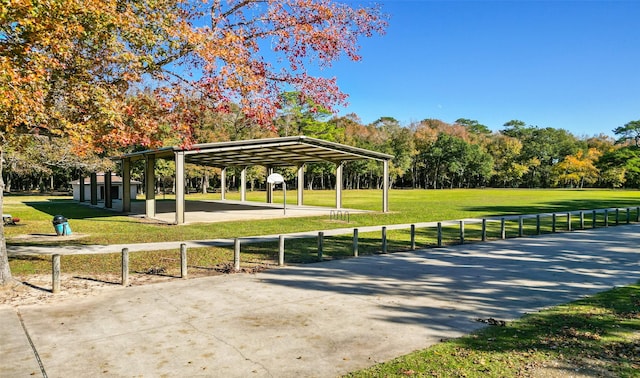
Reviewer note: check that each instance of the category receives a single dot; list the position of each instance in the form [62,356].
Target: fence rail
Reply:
[599,218]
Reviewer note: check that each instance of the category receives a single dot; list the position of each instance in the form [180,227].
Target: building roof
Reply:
[285,151]
[115,180]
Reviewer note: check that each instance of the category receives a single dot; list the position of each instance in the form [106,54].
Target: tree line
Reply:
[430,154]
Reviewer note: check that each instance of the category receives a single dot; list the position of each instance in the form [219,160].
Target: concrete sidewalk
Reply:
[317,320]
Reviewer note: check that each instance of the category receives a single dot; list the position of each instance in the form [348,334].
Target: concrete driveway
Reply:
[317,320]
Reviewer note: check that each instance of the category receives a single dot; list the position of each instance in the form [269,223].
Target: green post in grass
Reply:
[439,234]
[538,224]
[461,232]
[582,220]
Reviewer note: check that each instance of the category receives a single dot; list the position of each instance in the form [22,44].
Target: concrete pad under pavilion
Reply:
[271,153]
[214,211]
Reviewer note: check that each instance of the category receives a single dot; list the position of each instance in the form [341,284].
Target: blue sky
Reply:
[564,64]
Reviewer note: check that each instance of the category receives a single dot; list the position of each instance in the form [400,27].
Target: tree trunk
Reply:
[5,270]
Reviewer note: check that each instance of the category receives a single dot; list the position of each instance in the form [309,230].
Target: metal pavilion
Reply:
[271,152]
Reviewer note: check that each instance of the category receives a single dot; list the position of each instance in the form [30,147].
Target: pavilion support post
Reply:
[81,182]
[339,169]
[150,187]
[243,184]
[385,187]
[223,183]
[94,188]
[108,201]
[180,195]
[269,186]
[126,185]
[300,187]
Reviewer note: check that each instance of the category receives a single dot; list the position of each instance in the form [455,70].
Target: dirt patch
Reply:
[36,289]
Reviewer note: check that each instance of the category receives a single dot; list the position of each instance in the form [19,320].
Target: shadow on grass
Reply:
[600,331]
[567,205]
[69,208]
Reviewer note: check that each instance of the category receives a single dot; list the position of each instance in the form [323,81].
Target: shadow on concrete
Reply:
[497,279]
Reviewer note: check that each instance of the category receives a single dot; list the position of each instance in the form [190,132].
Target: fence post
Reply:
[553,223]
[439,234]
[55,274]
[594,219]
[503,231]
[628,215]
[617,216]
[183,260]
[355,242]
[537,224]
[281,250]
[568,221]
[384,239]
[125,266]
[606,218]
[484,229]
[461,232]
[236,254]
[582,220]
[413,237]
[520,226]
[637,214]
[320,244]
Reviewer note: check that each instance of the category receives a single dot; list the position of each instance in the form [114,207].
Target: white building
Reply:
[116,188]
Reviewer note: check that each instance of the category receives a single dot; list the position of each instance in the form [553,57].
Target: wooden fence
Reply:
[586,219]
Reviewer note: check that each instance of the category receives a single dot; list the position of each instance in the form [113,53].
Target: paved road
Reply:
[317,320]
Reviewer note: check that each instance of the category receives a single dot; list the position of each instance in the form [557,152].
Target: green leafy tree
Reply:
[67,67]
[629,132]
[625,160]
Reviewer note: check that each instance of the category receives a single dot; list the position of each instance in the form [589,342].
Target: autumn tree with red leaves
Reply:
[68,67]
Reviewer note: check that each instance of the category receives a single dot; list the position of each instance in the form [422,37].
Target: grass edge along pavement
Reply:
[595,336]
